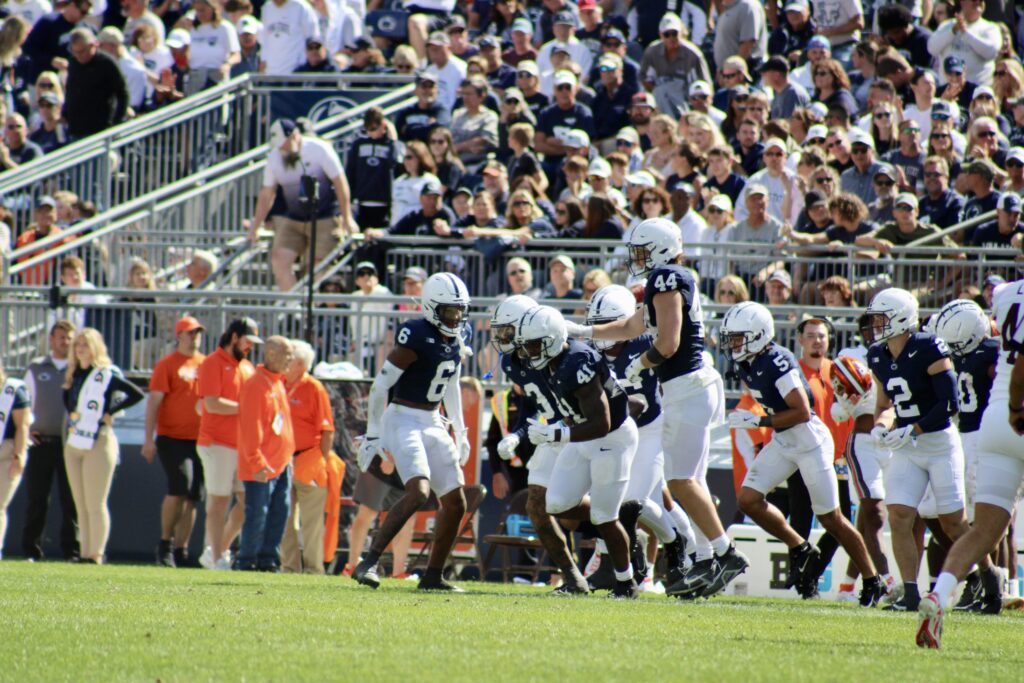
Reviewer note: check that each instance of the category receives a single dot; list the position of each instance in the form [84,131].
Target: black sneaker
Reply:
[675,558]
[182,560]
[366,574]
[804,571]
[629,515]
[694,583]
[728,566]
[438,584]
[972,593]
[872,594]
[165,554]
[904,604]
[625,590]
[604,578]
[570,588]
[987,605]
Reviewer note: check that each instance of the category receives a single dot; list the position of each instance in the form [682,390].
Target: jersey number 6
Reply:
[444,372]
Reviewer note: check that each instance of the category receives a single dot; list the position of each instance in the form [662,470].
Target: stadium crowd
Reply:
[809,152]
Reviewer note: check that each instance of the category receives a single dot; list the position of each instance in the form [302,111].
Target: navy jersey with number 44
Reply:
[579,365]
[541,399]
[771,375]
[974,382]
[688,357]
[905,379]
[646,386]
[437,359]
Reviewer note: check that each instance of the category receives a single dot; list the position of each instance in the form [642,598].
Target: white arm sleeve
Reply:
[378,400]
[453,403]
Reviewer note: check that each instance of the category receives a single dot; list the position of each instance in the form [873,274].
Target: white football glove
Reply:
[579,331]
[635,369]
[878,435]
[507,446]
[368,450]
[744,419]
[464,448]
[898,437]
[540,433]
[839,412]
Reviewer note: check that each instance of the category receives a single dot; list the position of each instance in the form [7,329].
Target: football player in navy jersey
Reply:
[965,328]
[647,474]
[693,396]
[1000,464]
[914,410]
[420,373]
[598,434]
[541,402]
[800,441]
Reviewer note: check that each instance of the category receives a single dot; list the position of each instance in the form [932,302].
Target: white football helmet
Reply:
[898,308]
[653,243]
[541,336]
[962,325]
[505,320]
[445,302]
[610,303]
[747,330]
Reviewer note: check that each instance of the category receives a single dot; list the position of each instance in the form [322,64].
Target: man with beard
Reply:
[221,377]
[640,117]
[292,158]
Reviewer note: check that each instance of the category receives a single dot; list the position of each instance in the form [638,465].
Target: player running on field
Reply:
[800,441]
[421,372]
[1000,464]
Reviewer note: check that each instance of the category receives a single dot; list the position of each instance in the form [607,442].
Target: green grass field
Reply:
[119,623]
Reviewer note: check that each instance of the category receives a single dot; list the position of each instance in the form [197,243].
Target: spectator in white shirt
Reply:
[451,70]
[148,48]
[29,10]
[287,25]
[564,26]
[691,224]
[970,37]
[215,45]
[784,199]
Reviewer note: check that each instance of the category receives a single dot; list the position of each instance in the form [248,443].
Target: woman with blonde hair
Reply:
[664,141]
[94,390]
[524,219]
[1008,82]
[885,121]
[15,418]
[13,32]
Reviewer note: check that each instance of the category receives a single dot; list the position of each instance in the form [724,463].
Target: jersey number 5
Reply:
[444,372]
[899,390]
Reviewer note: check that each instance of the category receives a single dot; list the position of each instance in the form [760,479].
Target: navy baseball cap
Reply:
[1010,202]
[953,65]
[431,187]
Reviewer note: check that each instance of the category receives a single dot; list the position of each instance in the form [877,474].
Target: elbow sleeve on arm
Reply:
[944,385]
[378,400]
[453,403]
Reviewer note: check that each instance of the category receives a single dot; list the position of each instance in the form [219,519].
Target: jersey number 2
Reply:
[901,397]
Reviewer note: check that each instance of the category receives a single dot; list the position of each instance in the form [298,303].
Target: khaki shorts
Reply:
[293,235]
[220,469]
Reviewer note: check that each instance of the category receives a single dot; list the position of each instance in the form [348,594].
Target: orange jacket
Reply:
[311,412]
[335,475]
[824,397]
[757,438]
[265,437]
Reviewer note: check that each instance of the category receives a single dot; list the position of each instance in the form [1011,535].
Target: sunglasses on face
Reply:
[607,69]
[14,126]
[442,141]
[364,273]
[904,207]
[1013,163]
[731,74]
[883,115]
[715,210]
[934,174]
[564,86]
[860,149]
[670,34]
[727,292]
[1000,74]
[987,134]
[910,131]
[938,136]
[651,200]
[561,212]
[614,44]
[884,183]
[520,202]
[46,84]
[823,181]
[516,272]
[821,73]
[773,154]
[623,143]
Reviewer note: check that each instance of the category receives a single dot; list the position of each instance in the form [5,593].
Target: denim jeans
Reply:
[267,505]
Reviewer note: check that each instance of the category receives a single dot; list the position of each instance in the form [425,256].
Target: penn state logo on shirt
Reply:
[92,405]
[330,106]
[44,376]
[188,374]
[98,377]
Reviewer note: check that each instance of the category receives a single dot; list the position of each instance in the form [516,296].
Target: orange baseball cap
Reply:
[187,324]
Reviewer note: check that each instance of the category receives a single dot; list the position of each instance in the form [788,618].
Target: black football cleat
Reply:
[972,593]
[366,574]
[570,588]
[728,567]
[904,604]
[629,516]
[804,570]
[675,558]
[438,584]
[694,582]
[604,578]
[987,605]
[872,593]
[165,554]
[625,590]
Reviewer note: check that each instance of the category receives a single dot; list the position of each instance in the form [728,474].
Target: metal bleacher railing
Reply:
[164,219]
[138,324]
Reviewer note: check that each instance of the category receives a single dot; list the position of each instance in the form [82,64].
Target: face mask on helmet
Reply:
[879,324]
[451,315]
[534,352]
[736,343]
[503,337]
[640,261]
[867,333]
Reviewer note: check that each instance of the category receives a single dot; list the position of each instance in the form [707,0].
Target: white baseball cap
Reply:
[600,167]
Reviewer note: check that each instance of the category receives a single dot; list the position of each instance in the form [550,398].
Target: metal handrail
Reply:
[195,185]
